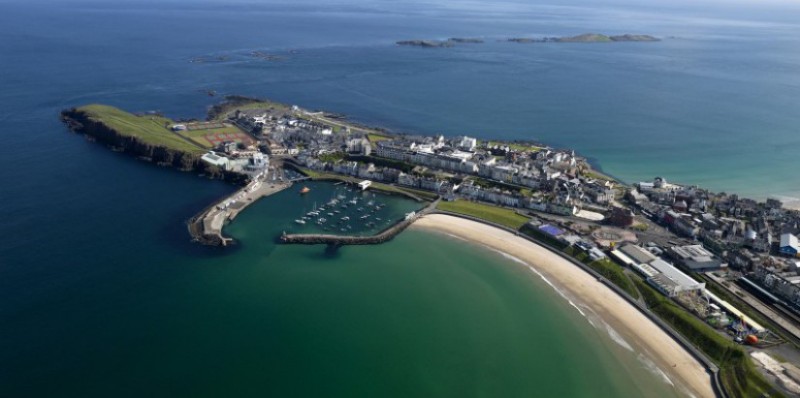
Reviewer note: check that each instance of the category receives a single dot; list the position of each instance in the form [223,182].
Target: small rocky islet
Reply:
[582,38]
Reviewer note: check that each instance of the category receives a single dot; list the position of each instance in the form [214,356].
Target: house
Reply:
[789,245]
[621,217]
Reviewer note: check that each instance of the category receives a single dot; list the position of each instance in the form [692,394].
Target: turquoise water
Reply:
[101,292]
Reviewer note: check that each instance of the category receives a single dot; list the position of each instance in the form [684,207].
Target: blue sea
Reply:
[101,293]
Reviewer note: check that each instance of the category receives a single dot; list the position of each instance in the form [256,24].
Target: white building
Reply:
[215,160]
[468,143]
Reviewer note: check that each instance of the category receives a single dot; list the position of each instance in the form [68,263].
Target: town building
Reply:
[695,258]
[789,245]
[621,217]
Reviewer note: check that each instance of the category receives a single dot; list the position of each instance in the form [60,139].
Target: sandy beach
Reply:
[636,328]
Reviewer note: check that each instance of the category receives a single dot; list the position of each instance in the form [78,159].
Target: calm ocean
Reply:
[101,294]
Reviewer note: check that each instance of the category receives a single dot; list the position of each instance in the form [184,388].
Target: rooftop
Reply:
[684,281]
[638,254]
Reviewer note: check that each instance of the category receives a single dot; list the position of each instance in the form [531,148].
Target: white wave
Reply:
[654,369]
[547,281]
[617,338]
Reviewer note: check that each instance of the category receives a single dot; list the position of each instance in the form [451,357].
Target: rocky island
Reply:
[586,38]
[426,43]
[440,43]
[582,38]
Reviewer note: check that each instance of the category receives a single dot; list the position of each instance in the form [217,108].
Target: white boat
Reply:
[345,218]
[353,201]
[300,221]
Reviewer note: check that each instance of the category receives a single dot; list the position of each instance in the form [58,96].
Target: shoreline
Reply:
[645,336]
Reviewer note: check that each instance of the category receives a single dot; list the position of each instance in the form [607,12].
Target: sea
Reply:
[102,293]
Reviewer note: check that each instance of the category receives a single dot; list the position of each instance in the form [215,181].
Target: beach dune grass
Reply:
[150,129]
[498,215]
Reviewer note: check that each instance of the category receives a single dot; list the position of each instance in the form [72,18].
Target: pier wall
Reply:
[206,226]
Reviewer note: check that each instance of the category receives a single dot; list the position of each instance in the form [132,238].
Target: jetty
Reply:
[206,226]
[342,240]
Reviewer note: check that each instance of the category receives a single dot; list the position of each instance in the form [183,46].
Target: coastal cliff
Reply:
[91,123]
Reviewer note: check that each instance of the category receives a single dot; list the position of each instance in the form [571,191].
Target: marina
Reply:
[342,209]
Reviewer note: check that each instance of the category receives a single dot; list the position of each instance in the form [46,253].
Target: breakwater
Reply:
[342,240]
[206,226]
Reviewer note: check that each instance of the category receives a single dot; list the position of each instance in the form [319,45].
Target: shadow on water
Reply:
[332,252]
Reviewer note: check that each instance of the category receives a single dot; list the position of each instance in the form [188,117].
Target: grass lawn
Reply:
[374,138]
[495,214]
[517,146]
[149,129]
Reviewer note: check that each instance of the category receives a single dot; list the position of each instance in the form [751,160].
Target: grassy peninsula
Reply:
[149,129]
[147,137]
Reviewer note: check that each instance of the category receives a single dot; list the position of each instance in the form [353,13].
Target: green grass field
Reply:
[495,214]
[374,138]
[149,129]
[517,146]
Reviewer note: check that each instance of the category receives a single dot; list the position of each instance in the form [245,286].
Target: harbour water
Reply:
[339,209]
[101,292]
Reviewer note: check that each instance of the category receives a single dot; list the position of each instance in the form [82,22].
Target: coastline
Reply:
[635,327]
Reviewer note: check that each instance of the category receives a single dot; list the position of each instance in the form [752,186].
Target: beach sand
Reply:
[635,327]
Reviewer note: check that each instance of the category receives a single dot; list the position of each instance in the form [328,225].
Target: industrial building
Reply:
[658,273]
[695,258]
